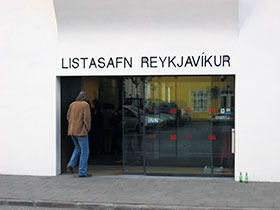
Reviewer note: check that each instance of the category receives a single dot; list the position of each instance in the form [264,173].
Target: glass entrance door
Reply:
[133,125]
[178,144]
[223,110]
[178,125]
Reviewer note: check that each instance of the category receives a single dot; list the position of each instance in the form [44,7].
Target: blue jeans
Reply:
[81,151]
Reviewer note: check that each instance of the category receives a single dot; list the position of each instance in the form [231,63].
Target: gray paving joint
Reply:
[108,206]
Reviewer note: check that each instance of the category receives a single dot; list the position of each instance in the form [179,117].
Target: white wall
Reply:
[150,28]
[27,86]
[258,86]
[29,66]
[254,55]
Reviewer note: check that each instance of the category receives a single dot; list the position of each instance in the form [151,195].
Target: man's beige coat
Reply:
[79,118]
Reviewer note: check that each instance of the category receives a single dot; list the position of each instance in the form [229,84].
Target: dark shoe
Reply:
[69,169]
[85,175]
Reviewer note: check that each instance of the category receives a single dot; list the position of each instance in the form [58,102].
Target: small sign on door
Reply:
[227,110]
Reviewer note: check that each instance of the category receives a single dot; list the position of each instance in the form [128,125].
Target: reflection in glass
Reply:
[178,125]
[133,122]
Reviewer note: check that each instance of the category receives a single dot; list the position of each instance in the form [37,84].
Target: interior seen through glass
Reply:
[157,125]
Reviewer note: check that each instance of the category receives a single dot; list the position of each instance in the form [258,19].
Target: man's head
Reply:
[83,96]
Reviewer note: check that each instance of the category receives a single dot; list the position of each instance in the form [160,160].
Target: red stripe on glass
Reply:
[173,137]
[173,111]
[212,137]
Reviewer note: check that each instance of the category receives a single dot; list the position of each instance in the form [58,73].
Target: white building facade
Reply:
[40,41]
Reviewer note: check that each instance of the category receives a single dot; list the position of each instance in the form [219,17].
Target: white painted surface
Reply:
[27,87]
[29,107]
[153,28]
[125,15]
[258,86]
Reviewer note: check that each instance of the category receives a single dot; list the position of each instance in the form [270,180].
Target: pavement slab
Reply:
[137,192]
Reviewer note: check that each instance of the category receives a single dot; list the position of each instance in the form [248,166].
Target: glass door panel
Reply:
[133,125]
[223,88]
[178,125]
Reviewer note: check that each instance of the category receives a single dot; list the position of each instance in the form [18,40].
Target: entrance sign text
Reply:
[146,62]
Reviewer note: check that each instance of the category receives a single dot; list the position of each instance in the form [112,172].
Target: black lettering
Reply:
[226,59]
[215,61]
[110,63]
[197,61]
[171,61]
[92,63]
[144,60]
[128,62]
[189,61]
[152,61]
[84,62]
[101,62]
[162,61]
[118,61]
[208,60]
[202,60]
[182,58]
[63,64]
[75,61]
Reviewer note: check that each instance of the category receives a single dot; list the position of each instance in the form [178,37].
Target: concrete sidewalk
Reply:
[137,192]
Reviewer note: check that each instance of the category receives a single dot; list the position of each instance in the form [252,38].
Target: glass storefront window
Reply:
[162,125]
[182,130]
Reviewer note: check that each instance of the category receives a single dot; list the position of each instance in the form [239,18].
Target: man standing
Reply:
[79,122]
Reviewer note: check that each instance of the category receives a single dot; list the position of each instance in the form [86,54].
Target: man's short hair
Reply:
[83,96]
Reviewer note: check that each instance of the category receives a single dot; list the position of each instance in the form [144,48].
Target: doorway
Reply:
[105,100]
[163,125]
